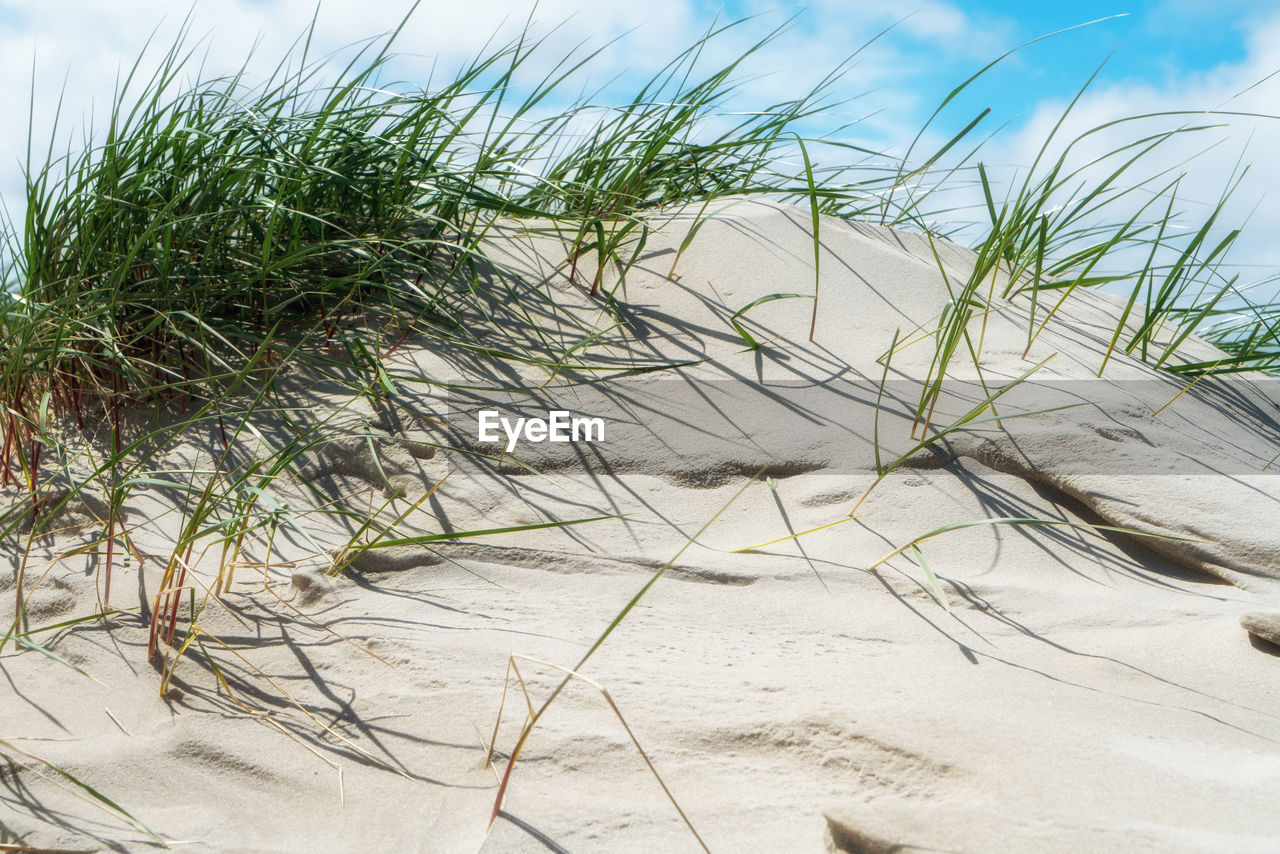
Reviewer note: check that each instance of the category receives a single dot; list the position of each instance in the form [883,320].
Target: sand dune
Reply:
[1088,689]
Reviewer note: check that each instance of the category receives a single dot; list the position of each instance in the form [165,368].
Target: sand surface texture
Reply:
[1088,690]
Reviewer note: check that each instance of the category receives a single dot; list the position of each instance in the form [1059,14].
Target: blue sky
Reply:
[1163,44]
[1164,54]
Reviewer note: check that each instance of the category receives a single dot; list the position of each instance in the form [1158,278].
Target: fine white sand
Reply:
[1089,690]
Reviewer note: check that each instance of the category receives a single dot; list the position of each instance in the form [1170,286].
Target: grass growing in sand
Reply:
[217,236]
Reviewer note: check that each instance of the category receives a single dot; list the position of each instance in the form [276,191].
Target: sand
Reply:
[1087,689]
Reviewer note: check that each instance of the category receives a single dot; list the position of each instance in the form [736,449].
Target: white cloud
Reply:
[945,28]
[76,50]
[1208,158]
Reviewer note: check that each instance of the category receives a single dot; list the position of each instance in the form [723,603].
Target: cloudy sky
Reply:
[1159,54]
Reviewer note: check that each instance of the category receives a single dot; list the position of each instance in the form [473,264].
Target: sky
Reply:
[1158,55]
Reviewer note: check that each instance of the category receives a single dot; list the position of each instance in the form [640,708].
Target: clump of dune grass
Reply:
[214,219]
